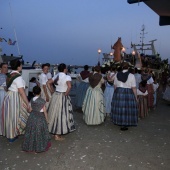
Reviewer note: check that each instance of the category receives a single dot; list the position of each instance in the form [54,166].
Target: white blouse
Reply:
[131,82]
[49,76]
[43,79]
[62,85]
[141,93]
[155,86]
[17,83]
[85,80]
[150,81]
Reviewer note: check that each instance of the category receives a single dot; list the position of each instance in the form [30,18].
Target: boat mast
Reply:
[144,47]
[142,37]
[14,30]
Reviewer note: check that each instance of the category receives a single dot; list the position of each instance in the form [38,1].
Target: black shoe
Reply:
[105,118]
[123,128]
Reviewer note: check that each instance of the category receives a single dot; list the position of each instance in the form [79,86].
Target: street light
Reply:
[99,51]
[111,54]
[133,52]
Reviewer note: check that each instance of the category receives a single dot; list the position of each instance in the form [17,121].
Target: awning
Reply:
[161,7]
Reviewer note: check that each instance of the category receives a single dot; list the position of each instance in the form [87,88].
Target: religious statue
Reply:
[117,50]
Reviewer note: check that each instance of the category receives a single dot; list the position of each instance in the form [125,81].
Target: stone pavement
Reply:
[103,147]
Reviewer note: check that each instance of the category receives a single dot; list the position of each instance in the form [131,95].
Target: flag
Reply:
[13,43]
[4,39]
[1,39]
[10,42]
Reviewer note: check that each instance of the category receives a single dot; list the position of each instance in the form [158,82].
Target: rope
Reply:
[14,30]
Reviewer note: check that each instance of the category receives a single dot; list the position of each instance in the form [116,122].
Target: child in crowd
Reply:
[142,98]
[33,82]
[37,137]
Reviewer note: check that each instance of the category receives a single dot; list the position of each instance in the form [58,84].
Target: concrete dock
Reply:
[103,147]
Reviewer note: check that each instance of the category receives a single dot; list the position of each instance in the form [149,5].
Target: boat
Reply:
[143,55]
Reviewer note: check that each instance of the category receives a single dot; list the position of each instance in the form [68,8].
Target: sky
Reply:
[72,31]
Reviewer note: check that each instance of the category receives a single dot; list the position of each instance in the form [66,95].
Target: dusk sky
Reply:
[71,31]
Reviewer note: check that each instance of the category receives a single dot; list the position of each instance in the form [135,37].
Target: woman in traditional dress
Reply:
[15,106]
[124,110]
[142,95]
[109,90]
[4,71]
[150,81]
[83,86]
[45,92]
[93,105]
[37,137]
[60,112]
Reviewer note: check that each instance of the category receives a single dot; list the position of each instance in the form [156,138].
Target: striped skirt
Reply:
[44,97]
[60,114]
[124,110]
[14,115]
[108,94]
[80,93]
[2,95]
[93,106]
[143,106]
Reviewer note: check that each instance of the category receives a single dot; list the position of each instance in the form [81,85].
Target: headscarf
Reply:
[84,74]
[122,76]
[11,78]
[94,79]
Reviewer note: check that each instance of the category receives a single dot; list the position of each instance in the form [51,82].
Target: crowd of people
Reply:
[123,94]
[151,61]
[48,110]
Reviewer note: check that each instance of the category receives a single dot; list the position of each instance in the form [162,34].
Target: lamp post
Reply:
[99,51]
[111,54]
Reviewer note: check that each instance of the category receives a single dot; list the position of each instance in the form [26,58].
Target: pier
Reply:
[145,147]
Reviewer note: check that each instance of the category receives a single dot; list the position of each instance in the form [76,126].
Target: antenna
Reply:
[142,36]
